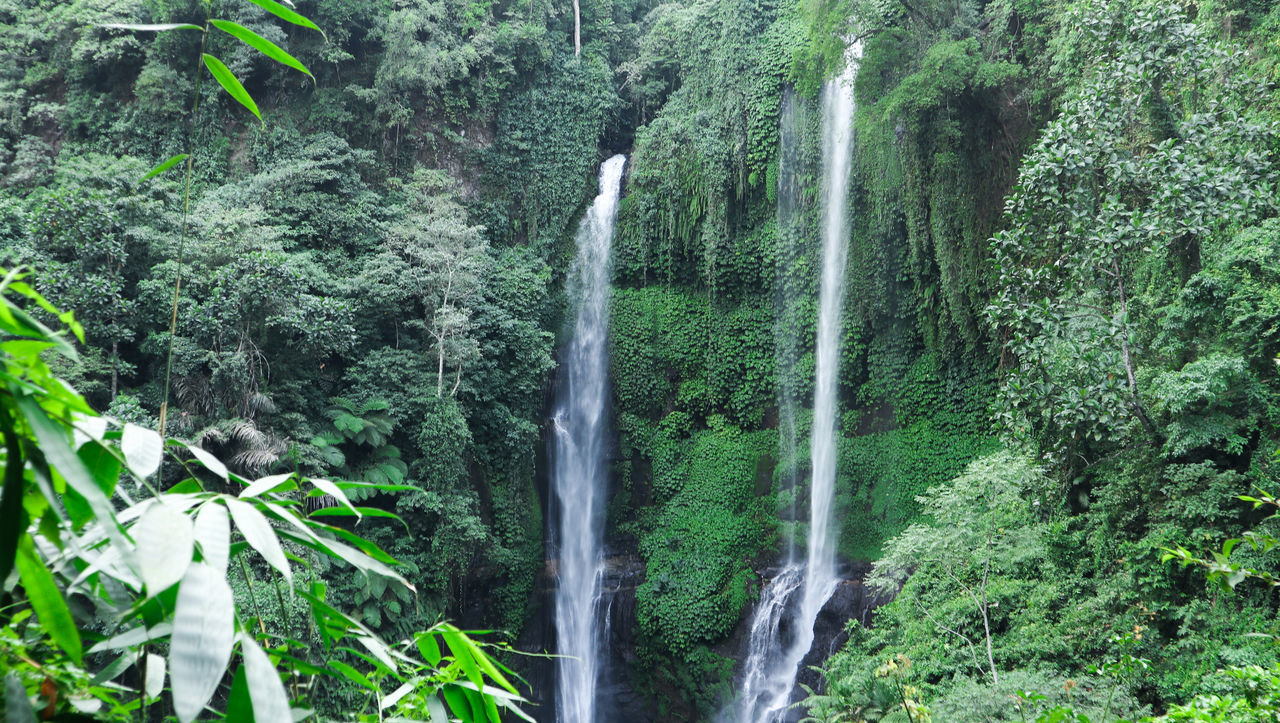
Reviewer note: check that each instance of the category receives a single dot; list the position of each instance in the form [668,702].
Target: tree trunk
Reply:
[577,29]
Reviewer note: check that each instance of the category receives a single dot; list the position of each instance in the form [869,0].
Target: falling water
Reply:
[772,664]
[579,476]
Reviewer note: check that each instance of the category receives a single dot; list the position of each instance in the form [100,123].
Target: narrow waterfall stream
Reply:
[579,477]
[772,664]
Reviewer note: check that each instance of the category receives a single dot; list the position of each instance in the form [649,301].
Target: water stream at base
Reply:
[802,588]
[579,475]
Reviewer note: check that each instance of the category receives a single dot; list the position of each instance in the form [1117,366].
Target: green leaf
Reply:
[429,647]
[142,449]
[52,440]
[357,512]
[352,674]
[203,635]
[239,706]
[12,514]
[259,534]
[482,659]
[46,600]
[165,544]
[287,15]
[151,27]
[266,47]
[270,702]
[173,161]
[230,84]
[462,653]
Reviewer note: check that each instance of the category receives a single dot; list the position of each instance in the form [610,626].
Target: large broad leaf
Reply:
[270,702]
[142,449]
[165,543]
[46,600]
[286,14]
[203,635]
[213,532]
[259,534]
[266,47]
[230,83]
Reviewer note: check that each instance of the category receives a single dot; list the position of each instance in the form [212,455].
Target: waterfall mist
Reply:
[579,475]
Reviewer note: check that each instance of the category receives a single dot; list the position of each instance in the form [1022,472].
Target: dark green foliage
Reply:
[545,156]
[707,525]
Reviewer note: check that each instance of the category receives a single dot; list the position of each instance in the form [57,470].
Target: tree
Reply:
[1159,149]
[156,572]
[982,526]
[435,259]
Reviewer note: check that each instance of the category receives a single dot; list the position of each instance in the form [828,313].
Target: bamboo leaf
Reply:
[462,653]
[436,708]
[266,47]
[142,449]
[266,484]
[352,674]
[259,534]
[52,441]
[287,15]
[395,696]
[173,161]
[151,27]
[231,84]
[270,702]
[46,600]
[239,706]
[154,684]
[210,462]
[213,532]
[332,490]
[203,635]
[135,636]
[12,514]
[165,543]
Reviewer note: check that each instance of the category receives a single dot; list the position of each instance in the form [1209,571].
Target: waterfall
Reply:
[773,663]
[579,476]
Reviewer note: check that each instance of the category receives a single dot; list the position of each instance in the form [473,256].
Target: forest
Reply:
[894,361]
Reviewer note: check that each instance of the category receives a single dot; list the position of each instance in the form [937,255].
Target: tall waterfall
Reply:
[772,663]
[579,477]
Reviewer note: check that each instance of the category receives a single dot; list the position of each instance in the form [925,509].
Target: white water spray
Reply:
[772,665]
[579,476]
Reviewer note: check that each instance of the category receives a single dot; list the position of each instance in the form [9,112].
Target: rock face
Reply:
[617,700]
[851,600]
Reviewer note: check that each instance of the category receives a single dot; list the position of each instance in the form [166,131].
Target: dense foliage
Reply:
[1058,357]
